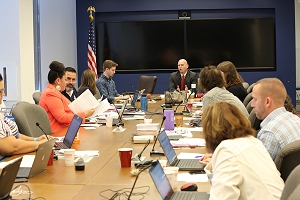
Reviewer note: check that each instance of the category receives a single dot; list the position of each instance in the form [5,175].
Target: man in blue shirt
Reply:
[106,85]
[279,126]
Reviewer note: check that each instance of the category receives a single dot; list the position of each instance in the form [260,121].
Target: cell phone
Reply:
[20,180]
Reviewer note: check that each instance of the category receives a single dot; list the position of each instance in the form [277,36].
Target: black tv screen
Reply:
[157,45]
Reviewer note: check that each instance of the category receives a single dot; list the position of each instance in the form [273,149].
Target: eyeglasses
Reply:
[2,91]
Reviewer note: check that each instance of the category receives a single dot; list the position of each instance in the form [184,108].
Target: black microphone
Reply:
[132,87]
[141,170]
[38,125]
[140,154]
[153,152]
[178,106]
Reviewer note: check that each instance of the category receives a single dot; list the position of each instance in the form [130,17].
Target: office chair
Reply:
[27,115]
[248,107]
[36,97]
[291,190]
[288,158]
[249,89]
[245,85]
[247,99]
[148,83]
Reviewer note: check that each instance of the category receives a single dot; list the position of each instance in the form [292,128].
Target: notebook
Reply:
[165,190]
[71,134]
[40,161]
[7,178]
[183,164]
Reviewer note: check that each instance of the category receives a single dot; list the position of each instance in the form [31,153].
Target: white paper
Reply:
[192,177]
[186,142]
[91,153]
[90,125]
[27,161]
[184,155]
[87,101]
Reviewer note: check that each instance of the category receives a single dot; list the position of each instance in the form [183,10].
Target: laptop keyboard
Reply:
[184,195]
[23,172]
[61,145]
[188,163]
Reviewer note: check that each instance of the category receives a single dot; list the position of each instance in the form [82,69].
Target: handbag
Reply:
[175,97]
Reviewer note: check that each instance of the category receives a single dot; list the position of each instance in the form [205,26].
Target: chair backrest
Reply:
[288,158]
[245,85]
[249,89]
[291,190]
[148,83]
[248,107]
[27,115]
[247,99]
[36,97]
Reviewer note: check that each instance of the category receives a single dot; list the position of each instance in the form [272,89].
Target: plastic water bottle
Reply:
[144,103]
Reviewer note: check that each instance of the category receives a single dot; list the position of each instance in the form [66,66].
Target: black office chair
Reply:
[148,83]
[288,158]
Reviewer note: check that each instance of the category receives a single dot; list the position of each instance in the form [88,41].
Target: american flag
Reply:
[92,64]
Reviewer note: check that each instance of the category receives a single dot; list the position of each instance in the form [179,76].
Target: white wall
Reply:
[58,34]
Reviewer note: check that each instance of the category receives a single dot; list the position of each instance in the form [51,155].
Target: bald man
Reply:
[176,79]
[279,126]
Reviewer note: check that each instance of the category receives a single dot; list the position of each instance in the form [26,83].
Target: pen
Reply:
[198,156]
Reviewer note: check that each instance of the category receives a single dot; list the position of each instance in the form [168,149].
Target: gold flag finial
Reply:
[91,9]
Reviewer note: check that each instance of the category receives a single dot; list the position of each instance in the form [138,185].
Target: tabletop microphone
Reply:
[153,152]
[137,176]
[138,156]
[38,125]
[178,106]
[132,87]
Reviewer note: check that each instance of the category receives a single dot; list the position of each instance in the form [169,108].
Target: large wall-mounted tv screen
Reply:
[157,45]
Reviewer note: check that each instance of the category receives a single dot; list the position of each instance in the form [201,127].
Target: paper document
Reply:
[27,161]
[87,101]
[189,142]
[192,177]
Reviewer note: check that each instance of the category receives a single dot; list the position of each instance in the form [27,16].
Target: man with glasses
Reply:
[70,92]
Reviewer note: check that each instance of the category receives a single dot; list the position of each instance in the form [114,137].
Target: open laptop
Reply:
[137,95]
[40,160]
[7,178]
[165,190]
[71,134]
[183,164]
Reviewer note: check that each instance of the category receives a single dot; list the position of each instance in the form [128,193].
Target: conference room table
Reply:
[103,174]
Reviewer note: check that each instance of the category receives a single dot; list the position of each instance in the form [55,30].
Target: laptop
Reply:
[7,178]
[183,164]
[137,95]
[71,134]
[120,114]
[165,190]
[40,160]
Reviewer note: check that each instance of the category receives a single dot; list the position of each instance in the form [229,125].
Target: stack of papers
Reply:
[188,142]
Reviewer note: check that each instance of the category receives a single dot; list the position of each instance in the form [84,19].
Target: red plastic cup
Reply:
[50,161]
[125,156]
[189,106]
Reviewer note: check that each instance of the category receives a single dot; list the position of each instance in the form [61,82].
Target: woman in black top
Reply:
[233,80]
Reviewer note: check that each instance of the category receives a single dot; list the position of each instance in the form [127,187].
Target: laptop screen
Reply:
[72,130]
[161,181]
[166,146]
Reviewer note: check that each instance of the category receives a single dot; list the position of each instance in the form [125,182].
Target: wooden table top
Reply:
[103,172]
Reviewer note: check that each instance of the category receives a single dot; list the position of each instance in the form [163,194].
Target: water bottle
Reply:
[193,90]
[144,103]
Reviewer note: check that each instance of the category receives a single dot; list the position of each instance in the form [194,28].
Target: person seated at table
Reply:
[233,82]
[212,82]
[55,103]
[183,78]
[241,166]
[88,82]
[12,142]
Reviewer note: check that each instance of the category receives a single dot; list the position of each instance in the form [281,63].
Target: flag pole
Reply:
[91,59]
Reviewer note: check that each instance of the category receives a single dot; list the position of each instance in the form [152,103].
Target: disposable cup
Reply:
[163,163]
[178,119]
[147,121]
[69,156]
[125,156]
[172,173]
[109,121]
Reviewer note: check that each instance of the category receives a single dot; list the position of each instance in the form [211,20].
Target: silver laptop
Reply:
[165,190]
[7,178]
[40,161]
[71,134]
[183,164]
